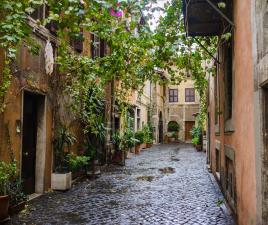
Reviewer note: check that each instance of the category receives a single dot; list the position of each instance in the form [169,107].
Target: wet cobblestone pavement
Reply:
[167,184]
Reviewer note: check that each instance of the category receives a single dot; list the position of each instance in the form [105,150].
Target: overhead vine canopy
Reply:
[135,50]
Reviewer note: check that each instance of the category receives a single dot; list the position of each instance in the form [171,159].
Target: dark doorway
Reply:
[265,156]
[160,128]
[188,127]
[29,141]
[208,138]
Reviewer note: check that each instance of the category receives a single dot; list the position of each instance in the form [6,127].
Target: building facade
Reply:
[36,104]
[237,103]
[162,103]
[181,104]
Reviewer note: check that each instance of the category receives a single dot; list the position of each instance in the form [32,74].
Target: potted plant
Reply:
[93,168]
[61,178]
[128,141]
[117,154]
[173,129]
[173,137]
[77,162]
[139,135]
[17,197]
[7,172]
[148,136]
[196,134]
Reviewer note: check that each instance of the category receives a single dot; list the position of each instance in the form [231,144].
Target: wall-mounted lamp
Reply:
[18,126]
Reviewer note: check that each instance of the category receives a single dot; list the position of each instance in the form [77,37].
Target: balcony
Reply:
[205,18]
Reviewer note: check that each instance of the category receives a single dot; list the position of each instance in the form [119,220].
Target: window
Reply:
[77,42]
[230,182]
[99,47]
[173,95]
[138,119]
[229,177]
[218,162]
[189,95]
[42,12]
[228,88]
[216,97]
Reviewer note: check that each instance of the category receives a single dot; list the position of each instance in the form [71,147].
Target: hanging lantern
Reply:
[49,58]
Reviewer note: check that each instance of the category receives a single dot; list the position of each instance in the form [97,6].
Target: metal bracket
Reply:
[220,12]
[202,46]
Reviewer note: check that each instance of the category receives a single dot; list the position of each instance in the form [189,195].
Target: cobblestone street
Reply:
[167,184]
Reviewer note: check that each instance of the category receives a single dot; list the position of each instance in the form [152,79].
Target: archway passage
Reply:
[173,126]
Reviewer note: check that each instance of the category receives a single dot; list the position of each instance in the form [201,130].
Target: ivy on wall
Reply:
[135,50]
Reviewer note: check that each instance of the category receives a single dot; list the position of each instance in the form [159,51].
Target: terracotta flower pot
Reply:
[198,147]
[4,204]
[138,149]
[149,145]
[16,208]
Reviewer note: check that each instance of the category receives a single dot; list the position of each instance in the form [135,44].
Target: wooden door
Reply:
[29,142]
[188,127]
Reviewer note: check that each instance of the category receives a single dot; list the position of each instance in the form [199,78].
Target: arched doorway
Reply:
[173,126]
[160,128]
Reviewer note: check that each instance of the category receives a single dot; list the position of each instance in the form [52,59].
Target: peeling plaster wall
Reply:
[240,141]
[30,75]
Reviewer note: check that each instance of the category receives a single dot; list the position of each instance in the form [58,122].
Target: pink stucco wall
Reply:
[242,139]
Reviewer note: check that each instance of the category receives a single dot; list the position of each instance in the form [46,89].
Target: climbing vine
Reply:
[14,29]
[135,50]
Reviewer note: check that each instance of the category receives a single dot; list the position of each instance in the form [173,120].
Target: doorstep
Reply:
[33,196]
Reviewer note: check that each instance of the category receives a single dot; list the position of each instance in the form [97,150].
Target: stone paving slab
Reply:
[167,184]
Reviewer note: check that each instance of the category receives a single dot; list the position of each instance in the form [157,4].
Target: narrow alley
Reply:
[167,184]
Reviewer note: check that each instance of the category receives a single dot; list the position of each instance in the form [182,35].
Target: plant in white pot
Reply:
[7,172]
[61,178]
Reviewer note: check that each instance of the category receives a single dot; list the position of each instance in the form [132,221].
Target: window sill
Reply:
[228,126]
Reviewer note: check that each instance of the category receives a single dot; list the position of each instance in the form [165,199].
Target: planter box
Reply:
[139,147]
[16,208]
[61,181]
[4,204]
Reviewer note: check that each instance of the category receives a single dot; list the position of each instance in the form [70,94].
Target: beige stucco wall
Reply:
[181,111]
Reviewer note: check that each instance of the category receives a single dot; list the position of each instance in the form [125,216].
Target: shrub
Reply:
[148,134]
[173,126]
[128,139]
[15,191]
[174,135]
[139,135]
[77,162]
[7,173]
[195,140]
[196,134]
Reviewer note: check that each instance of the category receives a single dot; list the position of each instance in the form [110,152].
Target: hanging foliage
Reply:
[135,50]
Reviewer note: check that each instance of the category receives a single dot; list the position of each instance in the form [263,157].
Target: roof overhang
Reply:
[204,18]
